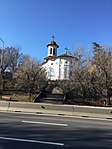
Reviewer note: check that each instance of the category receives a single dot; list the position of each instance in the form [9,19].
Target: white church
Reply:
[58,67]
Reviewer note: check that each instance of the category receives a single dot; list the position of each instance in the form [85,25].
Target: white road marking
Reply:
[31,141]
[56,124]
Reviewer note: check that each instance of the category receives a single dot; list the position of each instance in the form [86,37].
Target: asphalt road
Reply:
[26,131]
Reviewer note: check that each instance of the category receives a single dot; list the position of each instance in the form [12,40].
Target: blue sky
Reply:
[30,24]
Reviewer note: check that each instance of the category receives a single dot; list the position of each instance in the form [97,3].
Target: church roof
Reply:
[53,43]
[68,55]
[60,56]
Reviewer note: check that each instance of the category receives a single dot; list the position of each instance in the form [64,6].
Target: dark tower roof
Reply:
[53,43]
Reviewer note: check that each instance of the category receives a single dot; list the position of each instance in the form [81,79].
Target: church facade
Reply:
[58,67]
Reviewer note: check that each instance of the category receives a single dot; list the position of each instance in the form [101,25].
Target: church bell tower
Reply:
[52,48]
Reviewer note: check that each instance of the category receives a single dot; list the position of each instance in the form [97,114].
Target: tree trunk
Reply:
[108,99]
[2,81]
[30,94]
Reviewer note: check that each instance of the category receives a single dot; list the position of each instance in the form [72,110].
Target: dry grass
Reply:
[21,98]
[16,96]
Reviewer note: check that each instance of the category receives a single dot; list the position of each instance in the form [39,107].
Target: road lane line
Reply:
[44,123]
[31,141]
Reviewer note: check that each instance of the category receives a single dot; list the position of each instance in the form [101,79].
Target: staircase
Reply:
[53,98]
[48,95]
[50,98]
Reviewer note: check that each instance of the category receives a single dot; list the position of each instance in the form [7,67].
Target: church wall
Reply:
[60,68]
[50,51]
[52,69]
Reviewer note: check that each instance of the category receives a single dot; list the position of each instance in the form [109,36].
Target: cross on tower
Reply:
[53,37]
[66,49]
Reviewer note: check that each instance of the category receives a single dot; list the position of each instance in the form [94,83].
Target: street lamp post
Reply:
[1,64]
[1,57]
[2,50]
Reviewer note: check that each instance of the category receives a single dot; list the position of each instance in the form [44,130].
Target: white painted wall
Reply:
[51,47]
[59,68]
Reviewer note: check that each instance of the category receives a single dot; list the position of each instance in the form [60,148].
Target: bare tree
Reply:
[83,85]
[103,61]
[10,59]
[77,87]
[30,75]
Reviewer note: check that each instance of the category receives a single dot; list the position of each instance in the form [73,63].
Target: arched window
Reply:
[53,51]
[65,72]
[50,50]
[51,73]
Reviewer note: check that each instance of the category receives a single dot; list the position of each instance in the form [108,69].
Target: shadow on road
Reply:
[83,138]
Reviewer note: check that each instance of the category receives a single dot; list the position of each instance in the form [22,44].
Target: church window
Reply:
[66,62]
[70,73]
[50,50]
[65,72]
[51,72]
[53,51]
